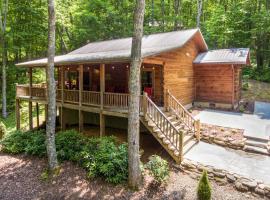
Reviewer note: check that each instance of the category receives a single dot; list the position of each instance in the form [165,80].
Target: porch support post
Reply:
[62,97]
[80,98]
[30,105]
[18,116]
[102,90]
[37,110]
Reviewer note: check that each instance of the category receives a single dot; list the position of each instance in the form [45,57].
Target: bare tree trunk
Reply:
[3,22]
[199,14]
[50,125]
[134,171]
[177,23]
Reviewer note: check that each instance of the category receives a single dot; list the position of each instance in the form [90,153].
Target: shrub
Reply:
[31,143]
[158,168]
[3,130]
[104,158]
[204,188]
[99,156]
[245,86]
[69,145]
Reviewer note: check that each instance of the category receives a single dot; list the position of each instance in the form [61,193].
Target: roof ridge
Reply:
[144,36]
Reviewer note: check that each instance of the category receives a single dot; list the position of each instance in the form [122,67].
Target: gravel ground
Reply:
[20,179]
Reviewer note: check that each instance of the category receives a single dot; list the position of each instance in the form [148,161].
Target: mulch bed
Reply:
[20,178]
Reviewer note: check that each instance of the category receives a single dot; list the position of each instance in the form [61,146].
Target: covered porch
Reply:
[95,88]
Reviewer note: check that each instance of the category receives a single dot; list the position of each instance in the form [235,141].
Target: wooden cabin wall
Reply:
[214,83]
[237,83]
[179,76]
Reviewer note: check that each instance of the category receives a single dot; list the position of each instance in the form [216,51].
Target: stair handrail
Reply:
[195,122]
[179,140]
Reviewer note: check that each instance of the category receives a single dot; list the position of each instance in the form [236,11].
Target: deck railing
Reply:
[71,96]
[182,113]
[90,98]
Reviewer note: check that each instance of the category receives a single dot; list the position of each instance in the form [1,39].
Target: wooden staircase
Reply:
[175,129]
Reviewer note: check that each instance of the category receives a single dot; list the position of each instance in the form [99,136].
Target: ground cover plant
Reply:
[101,157]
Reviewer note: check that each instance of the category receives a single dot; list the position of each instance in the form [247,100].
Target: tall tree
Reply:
[199,13]
[3,25]
[134,99]
[177,23]
[50,125]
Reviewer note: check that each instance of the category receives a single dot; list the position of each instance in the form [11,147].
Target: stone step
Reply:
[256,144]
[257,139]
[258,150]
[189,146]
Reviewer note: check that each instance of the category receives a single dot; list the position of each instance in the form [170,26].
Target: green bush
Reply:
[245,86]
[204,188]
[31,143]
[69,145]
[3,130]
[102,157]
[99,156]
[158,168]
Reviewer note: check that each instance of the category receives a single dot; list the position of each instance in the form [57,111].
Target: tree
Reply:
[200,5]
[50,124]
[134,178]
[3,25]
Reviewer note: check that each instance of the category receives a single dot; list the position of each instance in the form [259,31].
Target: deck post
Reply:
[198,130]
[144,104]
[62,96]
[30,104]
[18,116]
[80,98]
[102,90]
[166,100]
[37,110]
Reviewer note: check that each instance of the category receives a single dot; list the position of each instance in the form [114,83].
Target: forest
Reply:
[224,24]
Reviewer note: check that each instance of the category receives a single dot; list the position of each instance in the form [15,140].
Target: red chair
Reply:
[149,91]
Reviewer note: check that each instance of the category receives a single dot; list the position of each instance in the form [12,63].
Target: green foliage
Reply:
[102,157]
[245,86]
[99,156]
[204,188]
[31,143]
[255,73]
[3,130]
[158,168]
[69,145]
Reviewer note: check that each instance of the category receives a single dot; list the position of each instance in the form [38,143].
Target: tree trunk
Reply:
[199,14]
[134,171]
[3,22]
[177,23]
[50,125]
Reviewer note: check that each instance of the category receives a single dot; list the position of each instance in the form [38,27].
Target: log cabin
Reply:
[177,71]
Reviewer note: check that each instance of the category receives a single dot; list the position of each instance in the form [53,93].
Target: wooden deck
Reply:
[173,130]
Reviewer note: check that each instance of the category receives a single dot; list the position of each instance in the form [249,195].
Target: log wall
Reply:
[179,76]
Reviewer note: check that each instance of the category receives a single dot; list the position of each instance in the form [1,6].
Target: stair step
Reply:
[256,150]
[171,147]
[257,139]
[166,141]
[189,146]
[256,144]
[187,138]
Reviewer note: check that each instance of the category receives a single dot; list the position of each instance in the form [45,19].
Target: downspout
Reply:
[233,92]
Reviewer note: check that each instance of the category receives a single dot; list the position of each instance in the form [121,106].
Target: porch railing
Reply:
[88,98]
